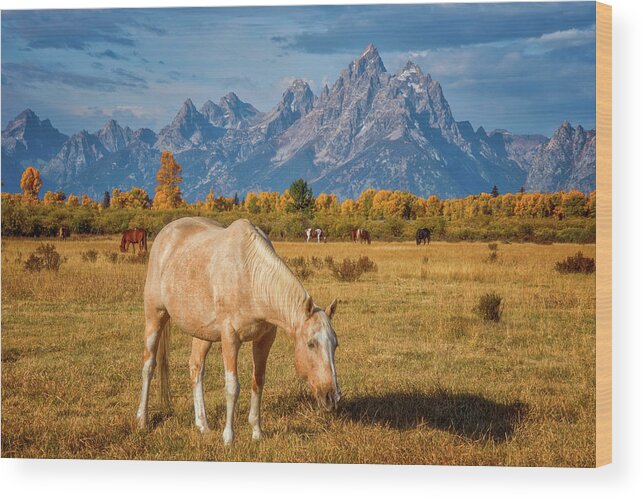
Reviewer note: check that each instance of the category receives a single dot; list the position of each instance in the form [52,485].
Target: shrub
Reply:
[349,270]
[111,256]
[493,256]
[577,264]
[89,256]
[316,262]
[330,261]
[140,258]
[425,259]
[489,307]
[365,264]
[34,263]
[300,267]
[492,246]
[44,258]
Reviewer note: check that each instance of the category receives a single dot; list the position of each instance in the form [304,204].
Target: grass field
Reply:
[424,379]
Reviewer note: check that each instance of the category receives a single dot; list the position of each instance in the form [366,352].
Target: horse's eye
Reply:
[312,344]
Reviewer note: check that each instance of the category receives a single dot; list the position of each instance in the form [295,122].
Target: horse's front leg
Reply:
[260,351]
[200,349]
[230,348]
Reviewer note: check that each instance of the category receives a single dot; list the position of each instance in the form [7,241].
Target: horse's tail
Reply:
[163,365]
[145,240]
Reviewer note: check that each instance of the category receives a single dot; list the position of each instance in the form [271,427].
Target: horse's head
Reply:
[315,346]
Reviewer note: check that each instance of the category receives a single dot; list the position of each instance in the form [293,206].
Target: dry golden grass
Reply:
[424,379]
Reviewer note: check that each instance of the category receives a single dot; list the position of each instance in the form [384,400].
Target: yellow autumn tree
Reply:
[209,200]
[364,202]
[251,203]
[348,207]
[86,201]
[72,200]
[168,193]
[51,198]
[30,183]
[326,202]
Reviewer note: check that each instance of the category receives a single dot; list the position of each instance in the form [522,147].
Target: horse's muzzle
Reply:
[330,399]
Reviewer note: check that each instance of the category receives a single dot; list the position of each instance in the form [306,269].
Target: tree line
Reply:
[541,217]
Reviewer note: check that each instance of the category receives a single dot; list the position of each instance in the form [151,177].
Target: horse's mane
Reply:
[272,279]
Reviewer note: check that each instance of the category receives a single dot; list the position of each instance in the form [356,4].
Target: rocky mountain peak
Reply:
[369,62]
[213,113]
[236,113]
[298,97]
[411,71]
[113,136]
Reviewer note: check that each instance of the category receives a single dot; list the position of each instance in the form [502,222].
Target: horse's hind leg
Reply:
[154,322]
[200,349]
[260,351]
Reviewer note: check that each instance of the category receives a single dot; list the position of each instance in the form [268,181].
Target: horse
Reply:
[134,237]
[63,232]
[354,235]
[423,236]
[363,236]
[318,233]
[228,285]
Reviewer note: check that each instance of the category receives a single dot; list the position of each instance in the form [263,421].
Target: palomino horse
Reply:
[318,233]
[363,236]
[229,285]
[423,236]
[135,237]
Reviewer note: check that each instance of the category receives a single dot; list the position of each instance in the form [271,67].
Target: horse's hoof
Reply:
[228,437]
[141,423]
[258,435]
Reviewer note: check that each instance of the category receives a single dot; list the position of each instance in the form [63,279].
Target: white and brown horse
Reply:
[318,233]
[229,286]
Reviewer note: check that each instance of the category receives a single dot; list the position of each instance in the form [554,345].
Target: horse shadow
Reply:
[469,416]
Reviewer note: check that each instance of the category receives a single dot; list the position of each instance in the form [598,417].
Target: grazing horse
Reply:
[423,236]
[318,233]
[230,286]
[363,236]
[354,235]
[63,232]
[135,237]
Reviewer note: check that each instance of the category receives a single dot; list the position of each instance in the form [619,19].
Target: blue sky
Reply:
[524,67]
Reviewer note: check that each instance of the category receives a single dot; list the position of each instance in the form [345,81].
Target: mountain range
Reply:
[370,129]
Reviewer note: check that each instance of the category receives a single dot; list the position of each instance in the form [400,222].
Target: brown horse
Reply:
[135,237]
[363,236]
[354,235]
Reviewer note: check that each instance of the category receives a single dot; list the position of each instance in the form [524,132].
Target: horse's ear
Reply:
[309,306]
[330,309]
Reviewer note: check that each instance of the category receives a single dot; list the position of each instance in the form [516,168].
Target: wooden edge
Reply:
[603,234]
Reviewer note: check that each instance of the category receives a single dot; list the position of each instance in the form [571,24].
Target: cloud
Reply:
[74,29]
[122,113]
[348,29]
[109,54]
[127,77]
[34,74]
